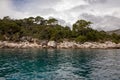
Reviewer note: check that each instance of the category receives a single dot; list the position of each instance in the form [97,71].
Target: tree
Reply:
[93,36]
[52,21]
[115,38]
[45,34]
[81,27]
[81,39]
[39,20]
[81,24]
[7,18]
[14,30]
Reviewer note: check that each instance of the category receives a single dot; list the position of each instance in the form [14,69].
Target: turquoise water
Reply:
[45,64]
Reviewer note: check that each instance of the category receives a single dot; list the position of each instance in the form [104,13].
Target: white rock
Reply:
[52,44]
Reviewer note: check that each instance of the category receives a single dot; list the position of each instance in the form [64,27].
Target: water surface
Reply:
[69,64]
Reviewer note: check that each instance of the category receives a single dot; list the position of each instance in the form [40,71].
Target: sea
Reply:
[59,64]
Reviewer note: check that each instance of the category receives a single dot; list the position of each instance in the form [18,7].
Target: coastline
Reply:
[61,45]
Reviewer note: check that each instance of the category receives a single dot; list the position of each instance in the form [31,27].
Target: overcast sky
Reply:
[105,14]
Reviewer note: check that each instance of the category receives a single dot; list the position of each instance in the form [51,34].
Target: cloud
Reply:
[33,4]
[67,10]
[106,22]
[96,1]
[5,8]
[43,8]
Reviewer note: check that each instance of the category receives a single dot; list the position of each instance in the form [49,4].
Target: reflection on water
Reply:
[59,64]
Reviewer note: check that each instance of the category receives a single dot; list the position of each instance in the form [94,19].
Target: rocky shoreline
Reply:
[61,45]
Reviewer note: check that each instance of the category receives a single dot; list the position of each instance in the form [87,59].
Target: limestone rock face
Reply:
[110,44]
[7,44]
[44,44]
[52,44]
[66,44]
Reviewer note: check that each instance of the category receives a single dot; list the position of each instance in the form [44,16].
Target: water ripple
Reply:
[59,64]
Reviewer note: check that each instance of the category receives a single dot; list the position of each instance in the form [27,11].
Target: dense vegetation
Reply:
[42,29]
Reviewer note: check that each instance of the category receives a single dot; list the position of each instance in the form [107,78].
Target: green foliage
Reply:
[1,37]
[115,38]
[40,28]
[81,39]
[93,36]
[81,27]
[40,20]
[52,21]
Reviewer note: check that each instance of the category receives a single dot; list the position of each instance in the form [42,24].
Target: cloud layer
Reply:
[105,14]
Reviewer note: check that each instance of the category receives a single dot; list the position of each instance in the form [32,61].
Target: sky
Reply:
[104,14]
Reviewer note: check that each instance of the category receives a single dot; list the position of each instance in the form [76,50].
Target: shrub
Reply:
[81,39]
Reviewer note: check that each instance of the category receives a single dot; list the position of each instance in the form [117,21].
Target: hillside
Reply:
[39,28]
[114,31]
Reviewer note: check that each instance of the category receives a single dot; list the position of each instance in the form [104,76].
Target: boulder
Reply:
[52,44]
[67,44]
[44,44]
